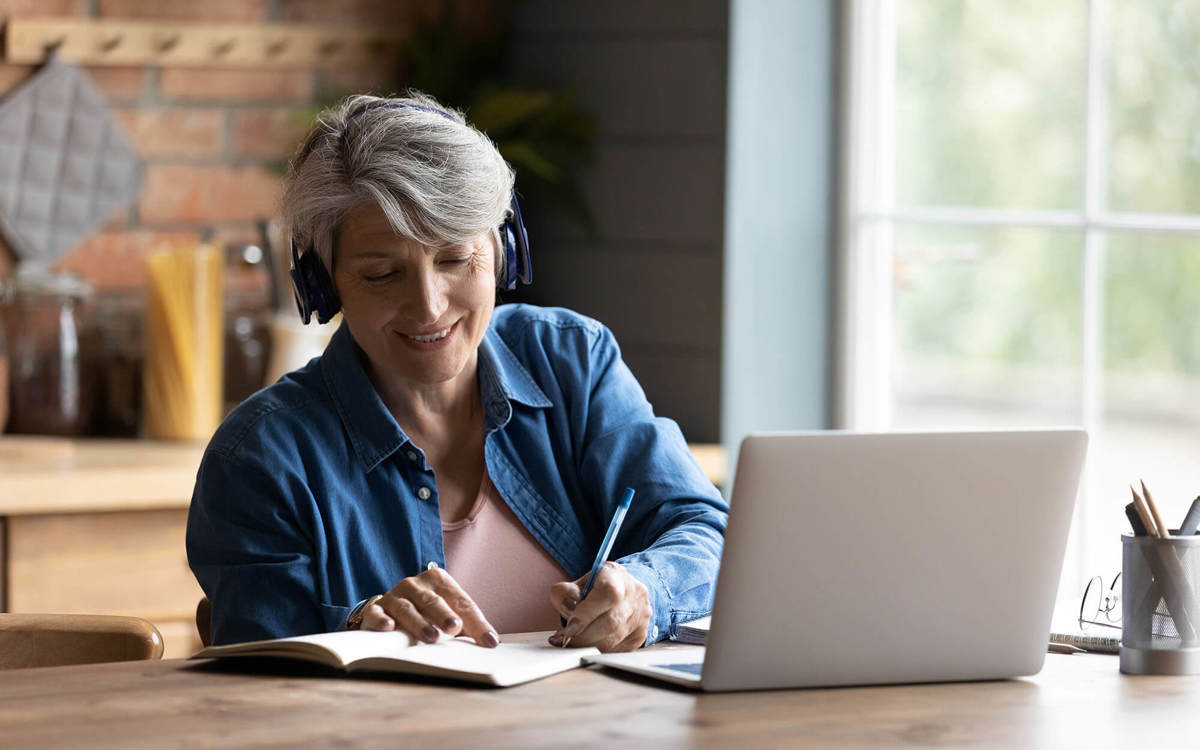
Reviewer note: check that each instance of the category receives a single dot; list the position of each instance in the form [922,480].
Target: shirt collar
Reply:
[371,428]
[502,373]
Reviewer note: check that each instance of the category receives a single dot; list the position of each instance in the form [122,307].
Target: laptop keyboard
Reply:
[689,668]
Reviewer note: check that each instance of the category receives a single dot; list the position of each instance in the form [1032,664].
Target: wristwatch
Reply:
[354,621]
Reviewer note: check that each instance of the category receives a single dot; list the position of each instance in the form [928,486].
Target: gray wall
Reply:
[779,212]
[654,74]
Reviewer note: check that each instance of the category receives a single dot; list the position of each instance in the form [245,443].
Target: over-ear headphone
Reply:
[313,286]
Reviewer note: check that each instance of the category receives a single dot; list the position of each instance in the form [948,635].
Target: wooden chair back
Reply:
[35,640]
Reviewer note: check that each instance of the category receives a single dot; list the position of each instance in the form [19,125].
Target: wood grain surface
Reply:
[1077,701]
[57,475]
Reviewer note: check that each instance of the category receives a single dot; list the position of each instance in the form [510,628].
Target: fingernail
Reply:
[429,633]
[573,627]
[451,623]
[570,604]
[556,639]
[490,639]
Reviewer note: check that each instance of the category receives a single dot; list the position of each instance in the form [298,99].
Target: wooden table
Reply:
[1076,702]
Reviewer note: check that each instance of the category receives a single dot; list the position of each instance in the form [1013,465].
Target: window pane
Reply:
[986,327]
[1151,407]
[990,103]
[1154,160]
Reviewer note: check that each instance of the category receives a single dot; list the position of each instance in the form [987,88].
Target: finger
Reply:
[633,641]
[374,618]
[425,595]
[606,631]
[408,619]
[564,597]
[473,624]
[606,592]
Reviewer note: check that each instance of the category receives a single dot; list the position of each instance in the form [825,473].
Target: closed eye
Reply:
[373,278]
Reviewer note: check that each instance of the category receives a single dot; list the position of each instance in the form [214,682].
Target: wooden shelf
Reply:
[121,42]
[41,475]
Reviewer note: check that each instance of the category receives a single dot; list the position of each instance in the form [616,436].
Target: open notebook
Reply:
[520,657]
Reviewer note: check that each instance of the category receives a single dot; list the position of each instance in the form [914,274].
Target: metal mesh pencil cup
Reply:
[1160,605]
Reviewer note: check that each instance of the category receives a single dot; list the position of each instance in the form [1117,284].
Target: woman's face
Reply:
[418,312]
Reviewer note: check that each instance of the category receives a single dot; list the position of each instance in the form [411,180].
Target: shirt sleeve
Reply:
[251,553]
[673,535]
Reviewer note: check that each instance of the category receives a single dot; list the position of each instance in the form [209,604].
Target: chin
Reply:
[429,373]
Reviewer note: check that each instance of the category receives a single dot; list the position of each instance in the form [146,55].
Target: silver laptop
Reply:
[856,559]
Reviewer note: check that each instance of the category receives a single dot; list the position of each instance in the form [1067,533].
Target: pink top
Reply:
[501,566]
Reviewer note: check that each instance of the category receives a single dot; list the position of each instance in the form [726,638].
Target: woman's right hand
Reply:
[423,604]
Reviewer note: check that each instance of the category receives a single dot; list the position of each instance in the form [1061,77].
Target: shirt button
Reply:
[431,566]
[412,456]
[424,493]
[654,633]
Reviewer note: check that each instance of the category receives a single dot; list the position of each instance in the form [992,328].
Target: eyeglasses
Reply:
[1101,605]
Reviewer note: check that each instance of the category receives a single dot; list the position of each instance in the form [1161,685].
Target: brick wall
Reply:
[213,139]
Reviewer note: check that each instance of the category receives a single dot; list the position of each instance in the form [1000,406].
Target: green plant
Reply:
[544,134]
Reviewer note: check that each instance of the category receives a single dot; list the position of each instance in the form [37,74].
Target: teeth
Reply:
[432,337]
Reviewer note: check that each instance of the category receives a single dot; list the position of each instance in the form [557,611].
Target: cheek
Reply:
[479,293]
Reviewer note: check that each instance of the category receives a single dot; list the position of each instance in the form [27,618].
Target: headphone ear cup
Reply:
[509,238]
[313,288]
[326,301]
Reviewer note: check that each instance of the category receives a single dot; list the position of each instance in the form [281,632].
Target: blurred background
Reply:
[870,214]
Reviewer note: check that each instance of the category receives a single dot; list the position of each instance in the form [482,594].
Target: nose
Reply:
[426,299]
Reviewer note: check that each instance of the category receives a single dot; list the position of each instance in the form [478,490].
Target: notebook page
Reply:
[351,645]
[508,663]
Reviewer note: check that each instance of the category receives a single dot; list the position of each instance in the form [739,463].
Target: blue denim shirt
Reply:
[308,499]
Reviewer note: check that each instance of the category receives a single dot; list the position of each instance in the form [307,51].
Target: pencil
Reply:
[1163,531]
[1144,513]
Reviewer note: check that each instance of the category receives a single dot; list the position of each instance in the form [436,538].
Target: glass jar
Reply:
[48,394]
[114,353]
[247,344]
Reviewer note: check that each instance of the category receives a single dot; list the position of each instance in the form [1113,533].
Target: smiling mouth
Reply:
[430,338]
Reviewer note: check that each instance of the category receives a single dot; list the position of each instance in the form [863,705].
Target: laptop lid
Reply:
[883,558]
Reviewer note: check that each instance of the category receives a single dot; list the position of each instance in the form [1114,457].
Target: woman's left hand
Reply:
[615,615]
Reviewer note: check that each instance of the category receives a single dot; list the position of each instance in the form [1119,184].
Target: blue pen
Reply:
[605,547]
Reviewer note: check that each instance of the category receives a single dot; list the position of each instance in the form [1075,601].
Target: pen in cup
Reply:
[1170,578]
[614,527]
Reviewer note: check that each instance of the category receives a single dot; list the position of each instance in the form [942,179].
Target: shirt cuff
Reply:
[660,600]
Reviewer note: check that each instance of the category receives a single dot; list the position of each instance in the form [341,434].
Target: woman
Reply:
[445,466]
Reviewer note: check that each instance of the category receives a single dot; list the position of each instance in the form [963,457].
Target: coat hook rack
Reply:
[167,43]
[117,42]
[109,44]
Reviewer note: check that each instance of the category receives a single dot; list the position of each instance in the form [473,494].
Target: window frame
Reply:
[867,216]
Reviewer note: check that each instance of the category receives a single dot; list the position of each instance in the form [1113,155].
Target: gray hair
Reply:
[437,179]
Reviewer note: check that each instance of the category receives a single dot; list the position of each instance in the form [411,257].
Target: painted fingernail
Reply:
[490,639]
[573,627]
[570,604]
[451,623]
[429,633]
[556,640]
